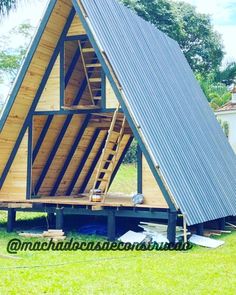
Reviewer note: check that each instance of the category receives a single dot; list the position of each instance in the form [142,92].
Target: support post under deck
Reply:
[171,230]
[200,229]
[59,218]
[111,226]
[11,218]
[221,223]
[51,220]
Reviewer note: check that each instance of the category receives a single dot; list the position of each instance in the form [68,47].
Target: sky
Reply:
[223,13]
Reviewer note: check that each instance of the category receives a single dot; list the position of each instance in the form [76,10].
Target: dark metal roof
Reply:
[178,127]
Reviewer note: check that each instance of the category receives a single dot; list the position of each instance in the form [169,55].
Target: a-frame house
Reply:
[63,134]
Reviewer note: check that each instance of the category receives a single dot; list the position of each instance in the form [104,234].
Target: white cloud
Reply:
[222,11]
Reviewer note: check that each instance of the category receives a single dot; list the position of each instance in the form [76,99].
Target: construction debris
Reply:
[231,225]
[205,242]
[54,234]
[132,237]
[215,232]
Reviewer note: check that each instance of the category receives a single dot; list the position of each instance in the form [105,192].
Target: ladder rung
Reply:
[95,80]
[112,152]
[85,50]
[112,141]
[97,98]
[105,171]
[96,89]
[102,180]
[108,161]
[115,133]
[93,65]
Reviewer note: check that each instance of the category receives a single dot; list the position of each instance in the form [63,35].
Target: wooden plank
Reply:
[151,191]
[50,98]
[111,100]
[112,200]
[14,187]
[76,27]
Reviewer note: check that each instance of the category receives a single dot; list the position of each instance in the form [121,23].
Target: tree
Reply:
[216,93]
[11,58]
[193,31]
[227,75]
[7,5]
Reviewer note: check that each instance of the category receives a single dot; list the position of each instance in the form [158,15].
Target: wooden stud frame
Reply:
[70,155]
[82,162]
[39,91]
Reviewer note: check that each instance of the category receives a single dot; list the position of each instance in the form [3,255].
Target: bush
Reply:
[131,155]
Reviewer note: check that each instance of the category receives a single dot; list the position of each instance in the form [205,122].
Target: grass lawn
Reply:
[198,271]
[125,180]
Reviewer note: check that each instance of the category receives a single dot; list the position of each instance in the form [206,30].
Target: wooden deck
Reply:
[111,201]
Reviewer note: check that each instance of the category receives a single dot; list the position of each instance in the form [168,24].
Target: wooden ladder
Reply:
[109,166]
[94,83]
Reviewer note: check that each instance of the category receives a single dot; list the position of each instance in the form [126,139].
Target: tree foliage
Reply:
[193,31]
[227,75]
[131,155]
[11,58]
[216,93]
[7,5]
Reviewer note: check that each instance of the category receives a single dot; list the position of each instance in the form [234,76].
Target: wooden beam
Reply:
[53,153]
[92,167]
[82,162]
[72,66]
[70,155]
[29,160]
[140,171]
[100,111]
[42,136]
[103,103]
[76,38]
[62,76]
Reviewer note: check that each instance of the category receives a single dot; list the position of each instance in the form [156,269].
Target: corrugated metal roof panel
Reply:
[176,122]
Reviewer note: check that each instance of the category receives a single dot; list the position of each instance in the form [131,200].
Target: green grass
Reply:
[125,180]
[198,271]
